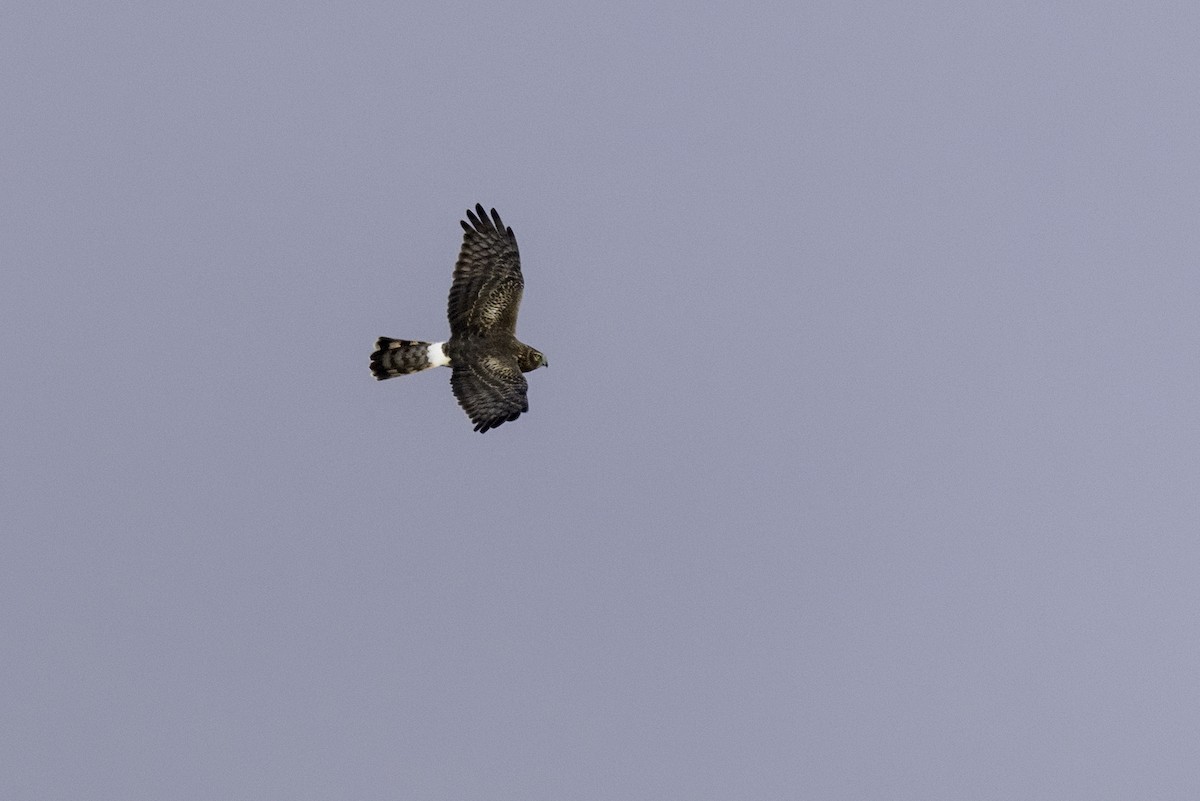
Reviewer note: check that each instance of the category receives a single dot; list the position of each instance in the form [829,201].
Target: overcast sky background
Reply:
[867,466]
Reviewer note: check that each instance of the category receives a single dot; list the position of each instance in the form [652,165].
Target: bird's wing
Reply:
[490,389]
[485,295]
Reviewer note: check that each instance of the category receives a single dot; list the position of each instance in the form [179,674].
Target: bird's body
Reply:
[485,357]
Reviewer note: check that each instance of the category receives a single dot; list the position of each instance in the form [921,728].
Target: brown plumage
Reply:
[486,359]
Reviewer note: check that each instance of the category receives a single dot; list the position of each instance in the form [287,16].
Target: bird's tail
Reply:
[393,357]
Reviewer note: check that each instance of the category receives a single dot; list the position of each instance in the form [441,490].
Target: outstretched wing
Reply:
[486,292]
[490,389]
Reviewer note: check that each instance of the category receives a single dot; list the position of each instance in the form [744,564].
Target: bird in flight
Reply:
[486,360]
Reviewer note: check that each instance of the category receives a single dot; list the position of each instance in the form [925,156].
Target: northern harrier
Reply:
[483,352]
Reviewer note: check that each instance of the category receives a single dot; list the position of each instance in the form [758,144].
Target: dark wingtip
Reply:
[487,425]
[474,224]
[478,222]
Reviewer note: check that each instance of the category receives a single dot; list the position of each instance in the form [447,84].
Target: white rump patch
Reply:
[437,355]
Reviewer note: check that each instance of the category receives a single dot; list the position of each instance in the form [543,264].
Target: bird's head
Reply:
[532,359]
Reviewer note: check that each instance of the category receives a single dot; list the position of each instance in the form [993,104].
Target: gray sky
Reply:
[867,466]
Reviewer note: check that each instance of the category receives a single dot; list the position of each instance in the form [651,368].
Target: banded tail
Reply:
[393,357]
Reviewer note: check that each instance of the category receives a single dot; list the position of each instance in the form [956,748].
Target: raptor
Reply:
[486,360]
